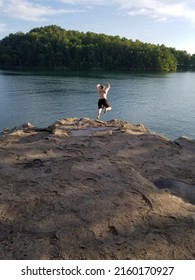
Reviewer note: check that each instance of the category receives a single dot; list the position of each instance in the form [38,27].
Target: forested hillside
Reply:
[55,48]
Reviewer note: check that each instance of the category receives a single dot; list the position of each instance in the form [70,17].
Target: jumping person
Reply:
[102,99]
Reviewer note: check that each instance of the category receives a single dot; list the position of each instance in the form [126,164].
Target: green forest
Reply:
[52,47]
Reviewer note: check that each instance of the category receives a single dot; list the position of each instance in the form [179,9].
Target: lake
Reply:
[163,102]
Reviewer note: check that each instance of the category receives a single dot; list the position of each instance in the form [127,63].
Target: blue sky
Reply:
[168,22]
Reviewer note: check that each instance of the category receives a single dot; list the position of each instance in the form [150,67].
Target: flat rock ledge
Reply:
[83,189]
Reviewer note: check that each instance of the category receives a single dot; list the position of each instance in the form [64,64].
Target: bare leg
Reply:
[99,112]
[107,109]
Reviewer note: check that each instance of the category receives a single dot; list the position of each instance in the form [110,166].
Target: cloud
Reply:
[85,2]
[159,9]
[33,10]
[30,11]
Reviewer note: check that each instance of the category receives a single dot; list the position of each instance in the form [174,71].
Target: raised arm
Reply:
[108,87]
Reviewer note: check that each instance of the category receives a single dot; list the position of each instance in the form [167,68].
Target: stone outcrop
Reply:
[82,189]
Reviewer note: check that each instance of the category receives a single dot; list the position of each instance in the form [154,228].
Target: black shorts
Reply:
[103,103]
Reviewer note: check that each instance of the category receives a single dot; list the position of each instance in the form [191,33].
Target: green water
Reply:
[163,102]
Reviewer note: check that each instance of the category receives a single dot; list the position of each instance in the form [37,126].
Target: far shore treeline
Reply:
[52,47]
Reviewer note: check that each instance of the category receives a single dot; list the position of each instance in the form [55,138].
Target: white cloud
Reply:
[33,10]
[85,2]
[27,10]
[161,9]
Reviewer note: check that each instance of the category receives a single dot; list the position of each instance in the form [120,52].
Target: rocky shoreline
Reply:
[82,189]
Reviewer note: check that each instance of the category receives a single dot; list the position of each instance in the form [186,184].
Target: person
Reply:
[102,99]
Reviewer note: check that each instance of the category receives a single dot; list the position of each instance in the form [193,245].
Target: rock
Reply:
[82,189]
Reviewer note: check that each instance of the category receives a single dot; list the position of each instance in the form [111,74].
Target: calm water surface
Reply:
[165,103]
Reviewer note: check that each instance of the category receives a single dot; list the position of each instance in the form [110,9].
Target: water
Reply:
[163,102]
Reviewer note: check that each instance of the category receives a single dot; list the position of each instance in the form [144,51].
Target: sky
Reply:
[168,22]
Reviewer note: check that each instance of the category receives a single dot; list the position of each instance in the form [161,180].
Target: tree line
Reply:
[52,47]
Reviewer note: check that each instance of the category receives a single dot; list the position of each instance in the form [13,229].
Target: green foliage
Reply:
[55,48]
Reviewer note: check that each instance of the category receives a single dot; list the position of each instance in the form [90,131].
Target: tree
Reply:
[53,47]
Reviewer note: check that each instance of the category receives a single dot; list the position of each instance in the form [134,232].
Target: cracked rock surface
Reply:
[82,189]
